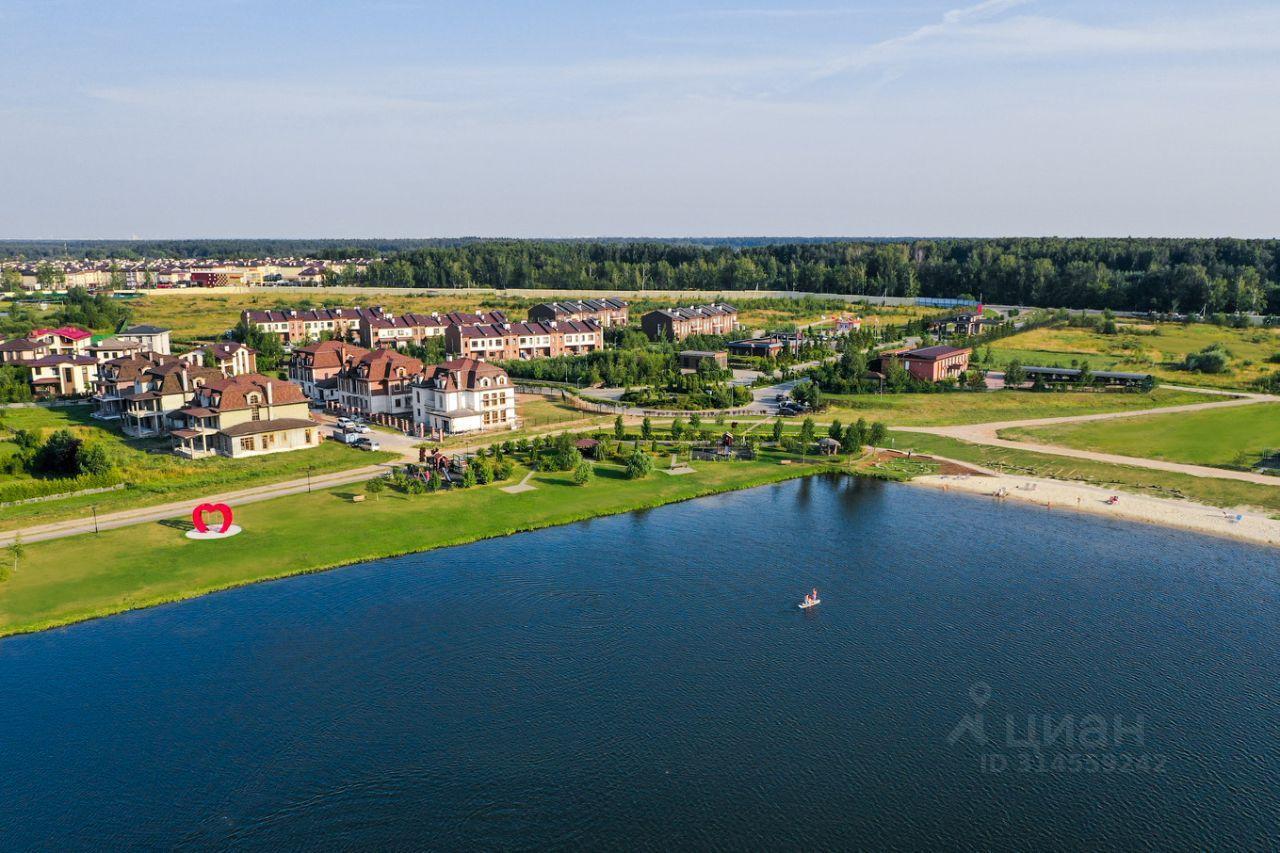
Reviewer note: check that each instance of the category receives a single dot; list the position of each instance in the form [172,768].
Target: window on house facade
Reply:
[246,443]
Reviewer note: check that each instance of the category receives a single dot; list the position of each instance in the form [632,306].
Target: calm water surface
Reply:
[646,681]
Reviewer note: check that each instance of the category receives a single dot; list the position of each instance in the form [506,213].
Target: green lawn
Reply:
[1167,484]
[951,409]
[1238,437]
[70,579]
[1147,348]
[153,475]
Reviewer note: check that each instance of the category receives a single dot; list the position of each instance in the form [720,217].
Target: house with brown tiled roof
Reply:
[22,350]
[379,382]
[497,341]
[244,415]
[143,391]
[63,375]
[931,364]
[118,377]
[316,367]
[464,395]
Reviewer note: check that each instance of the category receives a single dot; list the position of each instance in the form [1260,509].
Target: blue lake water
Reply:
[647,681]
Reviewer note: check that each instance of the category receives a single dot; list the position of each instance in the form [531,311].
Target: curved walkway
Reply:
[988,434]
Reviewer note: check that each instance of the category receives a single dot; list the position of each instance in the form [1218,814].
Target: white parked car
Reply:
[345,423]
[367,444]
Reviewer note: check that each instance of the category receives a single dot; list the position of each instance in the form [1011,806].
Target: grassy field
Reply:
[1166,484]
[71,579]
[1238,437]
[1158,349]
[152,474]
[204,314]
[974,408]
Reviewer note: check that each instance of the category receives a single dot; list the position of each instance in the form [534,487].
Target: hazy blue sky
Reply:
[157,118]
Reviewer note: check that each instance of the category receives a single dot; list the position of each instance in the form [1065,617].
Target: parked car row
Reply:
[790,408]
[355,432]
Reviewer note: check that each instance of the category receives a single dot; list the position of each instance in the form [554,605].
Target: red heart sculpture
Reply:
[197,517]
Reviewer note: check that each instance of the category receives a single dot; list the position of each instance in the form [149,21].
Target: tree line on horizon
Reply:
[1131,274]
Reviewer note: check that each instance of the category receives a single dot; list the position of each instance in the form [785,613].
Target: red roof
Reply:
[69,332]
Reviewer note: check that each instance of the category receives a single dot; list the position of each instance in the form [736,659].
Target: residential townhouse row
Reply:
[180,272]
[488,335]
[459,395]
[66,362]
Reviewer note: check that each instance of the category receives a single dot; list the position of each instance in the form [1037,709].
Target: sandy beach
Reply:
[1064,497]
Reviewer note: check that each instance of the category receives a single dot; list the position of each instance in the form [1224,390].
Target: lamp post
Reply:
[309,479]
[95,519]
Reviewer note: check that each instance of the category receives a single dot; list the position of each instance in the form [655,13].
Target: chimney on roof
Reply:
[270,396]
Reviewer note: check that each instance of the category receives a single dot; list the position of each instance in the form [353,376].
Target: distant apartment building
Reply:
[498,341]
[315,367]
[227,277]
[245,415]
[152,338]
[464,395]
[608,311]
[676,324]
[379,382]
[295,325]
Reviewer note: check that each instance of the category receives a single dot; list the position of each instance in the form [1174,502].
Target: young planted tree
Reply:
[877,433]
[619,428]
[646,430]
[584,473]
[808,432]
[777,431]
[639,466]
[17,550]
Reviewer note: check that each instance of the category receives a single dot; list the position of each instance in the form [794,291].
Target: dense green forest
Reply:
[1181,275]
[1139,275]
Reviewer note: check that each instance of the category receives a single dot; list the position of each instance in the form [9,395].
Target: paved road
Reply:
[988,434]
[402,444]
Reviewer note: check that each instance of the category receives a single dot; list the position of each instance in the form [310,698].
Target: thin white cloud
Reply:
[980,11]
[984,31]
